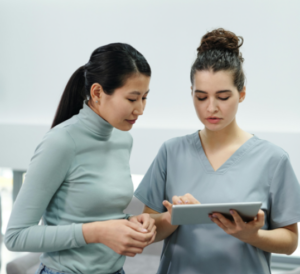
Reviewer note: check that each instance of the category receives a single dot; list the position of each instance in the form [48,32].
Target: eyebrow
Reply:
[138,93]
[218,92]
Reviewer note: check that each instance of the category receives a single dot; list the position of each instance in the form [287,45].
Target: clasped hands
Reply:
[237,228]
[125,237]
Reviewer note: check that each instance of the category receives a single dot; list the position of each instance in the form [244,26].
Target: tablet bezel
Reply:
[198,213]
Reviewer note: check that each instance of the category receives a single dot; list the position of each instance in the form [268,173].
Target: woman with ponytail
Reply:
[221,164]
[79,178]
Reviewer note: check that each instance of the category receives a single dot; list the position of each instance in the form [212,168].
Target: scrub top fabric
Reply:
[257,171]
[79,174]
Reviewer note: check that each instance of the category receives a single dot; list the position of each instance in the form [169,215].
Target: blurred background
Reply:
[44,42]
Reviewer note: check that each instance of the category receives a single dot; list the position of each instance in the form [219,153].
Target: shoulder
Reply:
[58,139]
[270,150]
[180,142]
[181,145]
[269,155]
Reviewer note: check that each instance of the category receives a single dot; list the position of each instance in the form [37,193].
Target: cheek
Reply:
[121,110]
[230,108]
[200,108]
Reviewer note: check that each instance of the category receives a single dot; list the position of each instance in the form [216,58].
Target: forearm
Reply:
[40,238]
[163,227]
[280,240]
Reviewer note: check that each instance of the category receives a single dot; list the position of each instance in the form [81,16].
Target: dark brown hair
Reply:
[219,50]
[110,66]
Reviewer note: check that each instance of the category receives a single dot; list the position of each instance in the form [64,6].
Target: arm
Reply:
[164,228]
[47,170]
[163,223]
[282,240]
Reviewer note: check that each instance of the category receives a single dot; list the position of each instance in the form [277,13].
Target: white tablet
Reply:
[198,213]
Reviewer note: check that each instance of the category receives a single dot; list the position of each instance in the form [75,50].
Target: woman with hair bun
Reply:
[221,164]
[79,178]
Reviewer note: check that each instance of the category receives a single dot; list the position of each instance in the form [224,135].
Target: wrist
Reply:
[166,217]
[89,232]
[252,239]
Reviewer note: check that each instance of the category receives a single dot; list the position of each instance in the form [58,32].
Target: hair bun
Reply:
[221,39]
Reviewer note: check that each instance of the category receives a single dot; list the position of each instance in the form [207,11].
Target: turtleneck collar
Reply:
[95,123]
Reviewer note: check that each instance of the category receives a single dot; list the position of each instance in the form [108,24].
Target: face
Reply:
[125,105]
[216,98]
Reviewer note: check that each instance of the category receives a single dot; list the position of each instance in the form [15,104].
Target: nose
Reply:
[212,105]
[139,109]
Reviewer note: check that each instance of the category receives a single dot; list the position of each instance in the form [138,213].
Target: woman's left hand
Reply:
[146,222]
[238,228]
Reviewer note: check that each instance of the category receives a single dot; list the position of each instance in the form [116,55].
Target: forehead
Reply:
[136,82]
[209,81]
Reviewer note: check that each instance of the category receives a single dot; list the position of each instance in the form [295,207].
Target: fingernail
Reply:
[186,202]
[214,216]
[144,230]
[231,211]
[179,202]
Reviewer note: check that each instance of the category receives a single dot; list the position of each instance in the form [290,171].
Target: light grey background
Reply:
[44,42]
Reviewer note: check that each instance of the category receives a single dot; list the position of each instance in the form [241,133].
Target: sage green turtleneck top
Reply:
[79,174]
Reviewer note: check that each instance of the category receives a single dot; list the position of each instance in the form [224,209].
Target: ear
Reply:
[242,94]
[96,93]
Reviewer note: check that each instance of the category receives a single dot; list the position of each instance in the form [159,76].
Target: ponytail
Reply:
[72,98]
[110,66]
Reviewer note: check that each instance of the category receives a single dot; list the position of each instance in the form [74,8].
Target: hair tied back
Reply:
[222,40]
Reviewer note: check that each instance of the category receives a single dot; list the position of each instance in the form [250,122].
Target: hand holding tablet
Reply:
[199,213]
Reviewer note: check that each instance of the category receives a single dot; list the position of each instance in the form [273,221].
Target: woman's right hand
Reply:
[124,237]
[179,200]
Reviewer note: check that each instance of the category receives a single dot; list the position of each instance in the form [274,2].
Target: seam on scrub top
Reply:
[144,199]
[196,149]
[289,222]
[277,167]
[237,157]
[248,146]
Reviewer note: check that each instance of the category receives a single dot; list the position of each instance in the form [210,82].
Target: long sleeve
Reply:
[48,169]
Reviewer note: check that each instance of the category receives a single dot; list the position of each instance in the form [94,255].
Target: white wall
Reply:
[43,42]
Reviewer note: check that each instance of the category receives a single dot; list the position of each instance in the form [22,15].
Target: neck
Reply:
[223,137]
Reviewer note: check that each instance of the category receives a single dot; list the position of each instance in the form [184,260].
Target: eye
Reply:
[224,99]
[201,99]
[144,98]
[131,100]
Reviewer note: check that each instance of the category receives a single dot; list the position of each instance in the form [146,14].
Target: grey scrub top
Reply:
[257,171]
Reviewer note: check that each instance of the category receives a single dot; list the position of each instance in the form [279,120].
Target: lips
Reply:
[131,121]
[213,120]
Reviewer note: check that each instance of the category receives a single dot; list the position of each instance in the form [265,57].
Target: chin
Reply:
[124,127]
[215,127]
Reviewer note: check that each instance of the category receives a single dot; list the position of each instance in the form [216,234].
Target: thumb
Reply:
[260,216]
[168,206]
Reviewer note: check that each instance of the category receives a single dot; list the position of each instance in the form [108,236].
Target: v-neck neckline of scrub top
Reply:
[230,161]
